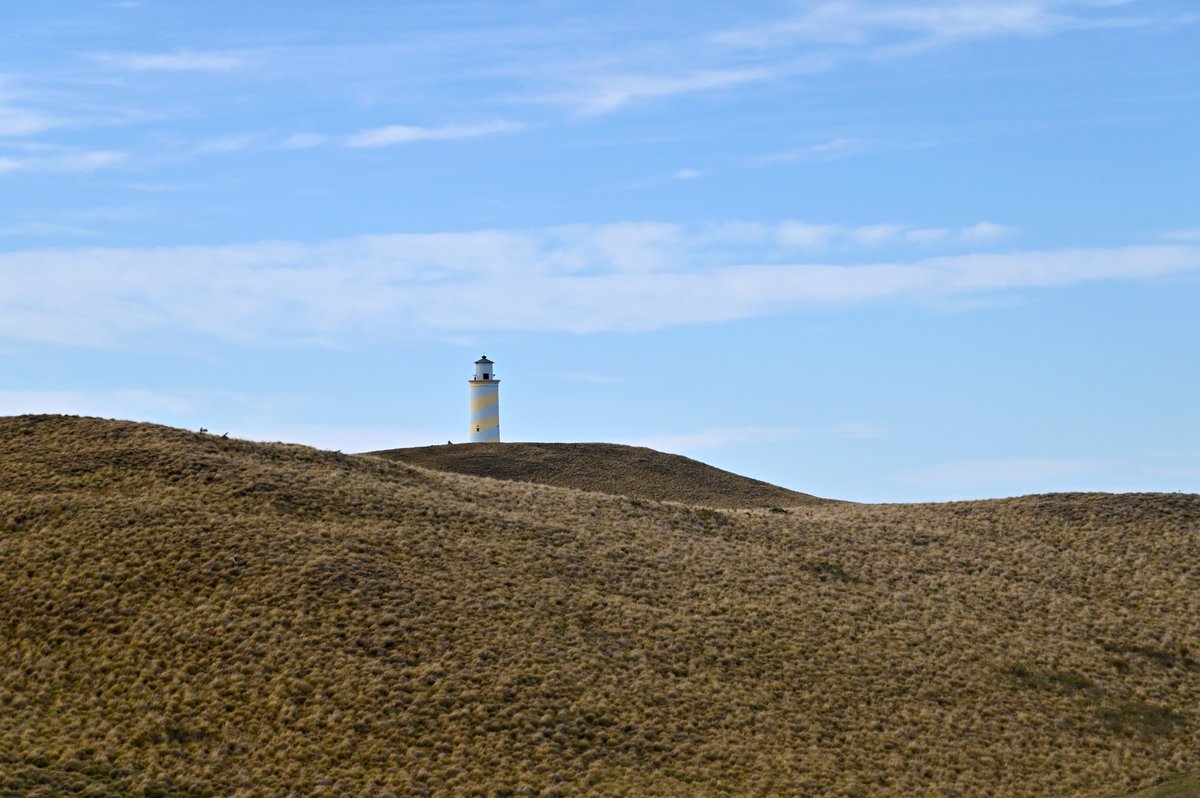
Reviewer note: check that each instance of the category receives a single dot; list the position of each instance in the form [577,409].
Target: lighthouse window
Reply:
[486,376]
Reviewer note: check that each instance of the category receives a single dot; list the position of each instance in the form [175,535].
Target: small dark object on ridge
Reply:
[203,431]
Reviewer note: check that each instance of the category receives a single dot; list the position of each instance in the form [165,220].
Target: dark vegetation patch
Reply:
[1134,716]
[1050,679]
[1119,713]
[829,570]
[81,774]
[1165,656]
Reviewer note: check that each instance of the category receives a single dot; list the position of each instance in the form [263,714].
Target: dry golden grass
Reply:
[182,615]
[633,471]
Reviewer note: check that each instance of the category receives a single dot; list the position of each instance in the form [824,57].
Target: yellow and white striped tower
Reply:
[485,403]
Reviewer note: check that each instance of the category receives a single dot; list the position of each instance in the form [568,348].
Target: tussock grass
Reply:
[182,615]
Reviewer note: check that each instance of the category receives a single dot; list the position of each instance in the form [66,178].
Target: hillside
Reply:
[605,467]
[182,615]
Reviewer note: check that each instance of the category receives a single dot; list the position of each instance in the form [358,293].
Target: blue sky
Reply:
[881,251]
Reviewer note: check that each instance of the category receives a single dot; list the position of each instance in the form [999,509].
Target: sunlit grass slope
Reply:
[182,615]
[606,467]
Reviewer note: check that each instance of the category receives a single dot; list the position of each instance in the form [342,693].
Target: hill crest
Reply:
[617,469]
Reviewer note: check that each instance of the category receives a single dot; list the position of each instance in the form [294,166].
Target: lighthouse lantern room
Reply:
[485,403]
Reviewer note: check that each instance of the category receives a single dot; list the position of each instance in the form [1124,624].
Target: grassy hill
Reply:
[182,615]
[604,467]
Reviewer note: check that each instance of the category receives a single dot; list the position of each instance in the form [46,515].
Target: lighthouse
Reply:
[485,403]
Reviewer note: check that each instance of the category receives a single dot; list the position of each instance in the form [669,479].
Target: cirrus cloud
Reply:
[178,61]
[406,134]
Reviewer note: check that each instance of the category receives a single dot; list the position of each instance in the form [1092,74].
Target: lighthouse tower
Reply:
[485,403]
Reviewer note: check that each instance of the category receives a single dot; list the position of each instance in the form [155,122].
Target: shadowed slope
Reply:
[182,615]
[605,468]
[1186,786]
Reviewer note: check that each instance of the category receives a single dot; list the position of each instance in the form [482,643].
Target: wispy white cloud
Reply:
[849,22]
[390,135]
[876,234]
[578,72]
[606,93]
[824,151]
[17,121]
[676,176]
[219,412]
[304,141]
[1185,234]
[823,35]
[578,278]
[17,118]
[1032,473]
[805,235]
[220,145]
[928,236]
[406,134]
[809,236]
[73,222]
[983,232]
[556,64]
[972,477]
[179,61]
[621,247]
[136,403]
[1182,465]
[819,38]
[724,437]
[86,161]
[62,160]
[165,188]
